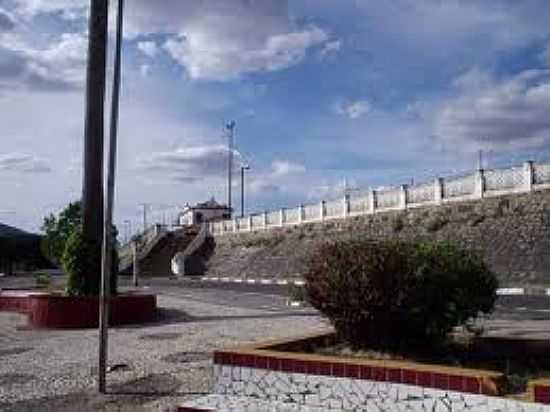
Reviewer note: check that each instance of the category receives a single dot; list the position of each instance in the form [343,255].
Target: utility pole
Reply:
[145,207]
[107,255]
[243,168]
[480,164]
[230,136]
[92,182]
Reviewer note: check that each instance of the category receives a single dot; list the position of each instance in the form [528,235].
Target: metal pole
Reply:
[108,224]
[231,130]
[144,216]
[242,191]
[243,168]
[135,263]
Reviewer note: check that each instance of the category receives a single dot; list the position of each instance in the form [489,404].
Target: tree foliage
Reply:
[59,228]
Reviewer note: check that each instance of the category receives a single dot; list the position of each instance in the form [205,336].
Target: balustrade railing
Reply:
[449,189]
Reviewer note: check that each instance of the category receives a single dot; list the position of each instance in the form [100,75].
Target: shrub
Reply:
[78,257]
[396,294]
[42,279]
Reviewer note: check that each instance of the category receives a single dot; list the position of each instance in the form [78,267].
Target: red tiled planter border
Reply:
[270,356]
[58,311]
[541,390]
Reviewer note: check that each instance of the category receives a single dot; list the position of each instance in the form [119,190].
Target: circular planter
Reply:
[58,311]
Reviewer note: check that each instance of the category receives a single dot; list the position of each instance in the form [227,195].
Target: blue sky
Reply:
[374,93]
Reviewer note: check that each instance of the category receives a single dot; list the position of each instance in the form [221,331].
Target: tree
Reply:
[59,228]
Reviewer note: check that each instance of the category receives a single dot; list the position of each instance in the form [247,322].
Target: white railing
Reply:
[388,199]
[502,179]
[494,182]
[424,193]
[459,186]
[312,212]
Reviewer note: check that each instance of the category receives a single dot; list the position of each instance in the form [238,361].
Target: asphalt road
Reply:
[276,297]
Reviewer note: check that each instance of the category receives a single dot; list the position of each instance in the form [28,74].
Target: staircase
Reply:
[192,260]
[156,248]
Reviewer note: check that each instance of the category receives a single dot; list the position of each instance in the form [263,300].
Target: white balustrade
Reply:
[499,181]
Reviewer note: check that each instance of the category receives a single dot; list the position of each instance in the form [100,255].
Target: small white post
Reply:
[300,214]
[346,206]
[265,220]
[322,211]
[372,201]
[438,190]
[528,175]
[403,197]
[235,228]
[249,223]
[479,184]
[282,217]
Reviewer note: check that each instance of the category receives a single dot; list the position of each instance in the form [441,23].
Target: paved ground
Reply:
[168,361]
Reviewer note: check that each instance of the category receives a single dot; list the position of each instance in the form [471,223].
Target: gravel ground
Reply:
[161,364]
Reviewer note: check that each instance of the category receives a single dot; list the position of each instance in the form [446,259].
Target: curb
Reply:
[297,282]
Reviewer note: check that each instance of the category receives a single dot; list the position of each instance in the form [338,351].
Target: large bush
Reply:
[398,295]
[79,256]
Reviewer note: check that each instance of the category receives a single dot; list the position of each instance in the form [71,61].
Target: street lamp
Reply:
[107,255]
[243,168]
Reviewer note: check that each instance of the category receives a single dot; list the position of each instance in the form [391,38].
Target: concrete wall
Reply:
[512,232]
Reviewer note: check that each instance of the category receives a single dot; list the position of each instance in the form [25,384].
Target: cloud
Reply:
[68,9]
[59,65]
[207,55]
[190,163]
[353,110]
[149,48]
[6,22]
[23,163]
[285,168]
[261,186]
[497,114]
[330,48]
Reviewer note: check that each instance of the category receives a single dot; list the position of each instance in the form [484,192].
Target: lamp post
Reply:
[107,255]
[243,168]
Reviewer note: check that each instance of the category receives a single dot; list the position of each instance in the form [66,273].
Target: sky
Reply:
[325,95]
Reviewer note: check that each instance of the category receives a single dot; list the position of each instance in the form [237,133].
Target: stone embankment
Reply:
[512,232]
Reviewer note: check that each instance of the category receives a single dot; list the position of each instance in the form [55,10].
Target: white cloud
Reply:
[23,163]
[69,9]
[190,163]
[330,48]
[206,55]
[285,168]
[149,48]
[60,64]
[353,110]
[499,114]
[144,70]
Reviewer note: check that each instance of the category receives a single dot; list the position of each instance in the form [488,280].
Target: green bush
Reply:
[398,295]
[42,279]
[77,258]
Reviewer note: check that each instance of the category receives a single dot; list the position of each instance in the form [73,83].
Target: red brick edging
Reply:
[57,311]
[268,356]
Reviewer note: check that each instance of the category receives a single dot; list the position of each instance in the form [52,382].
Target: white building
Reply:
[209,211]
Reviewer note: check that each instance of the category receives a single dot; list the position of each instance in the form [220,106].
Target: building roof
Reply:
[13,232]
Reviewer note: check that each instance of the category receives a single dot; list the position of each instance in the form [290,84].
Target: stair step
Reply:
[227,403]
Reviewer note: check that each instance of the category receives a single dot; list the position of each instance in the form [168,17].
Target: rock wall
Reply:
[512,232]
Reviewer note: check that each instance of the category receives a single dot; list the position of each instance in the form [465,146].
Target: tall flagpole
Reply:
[107,255]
